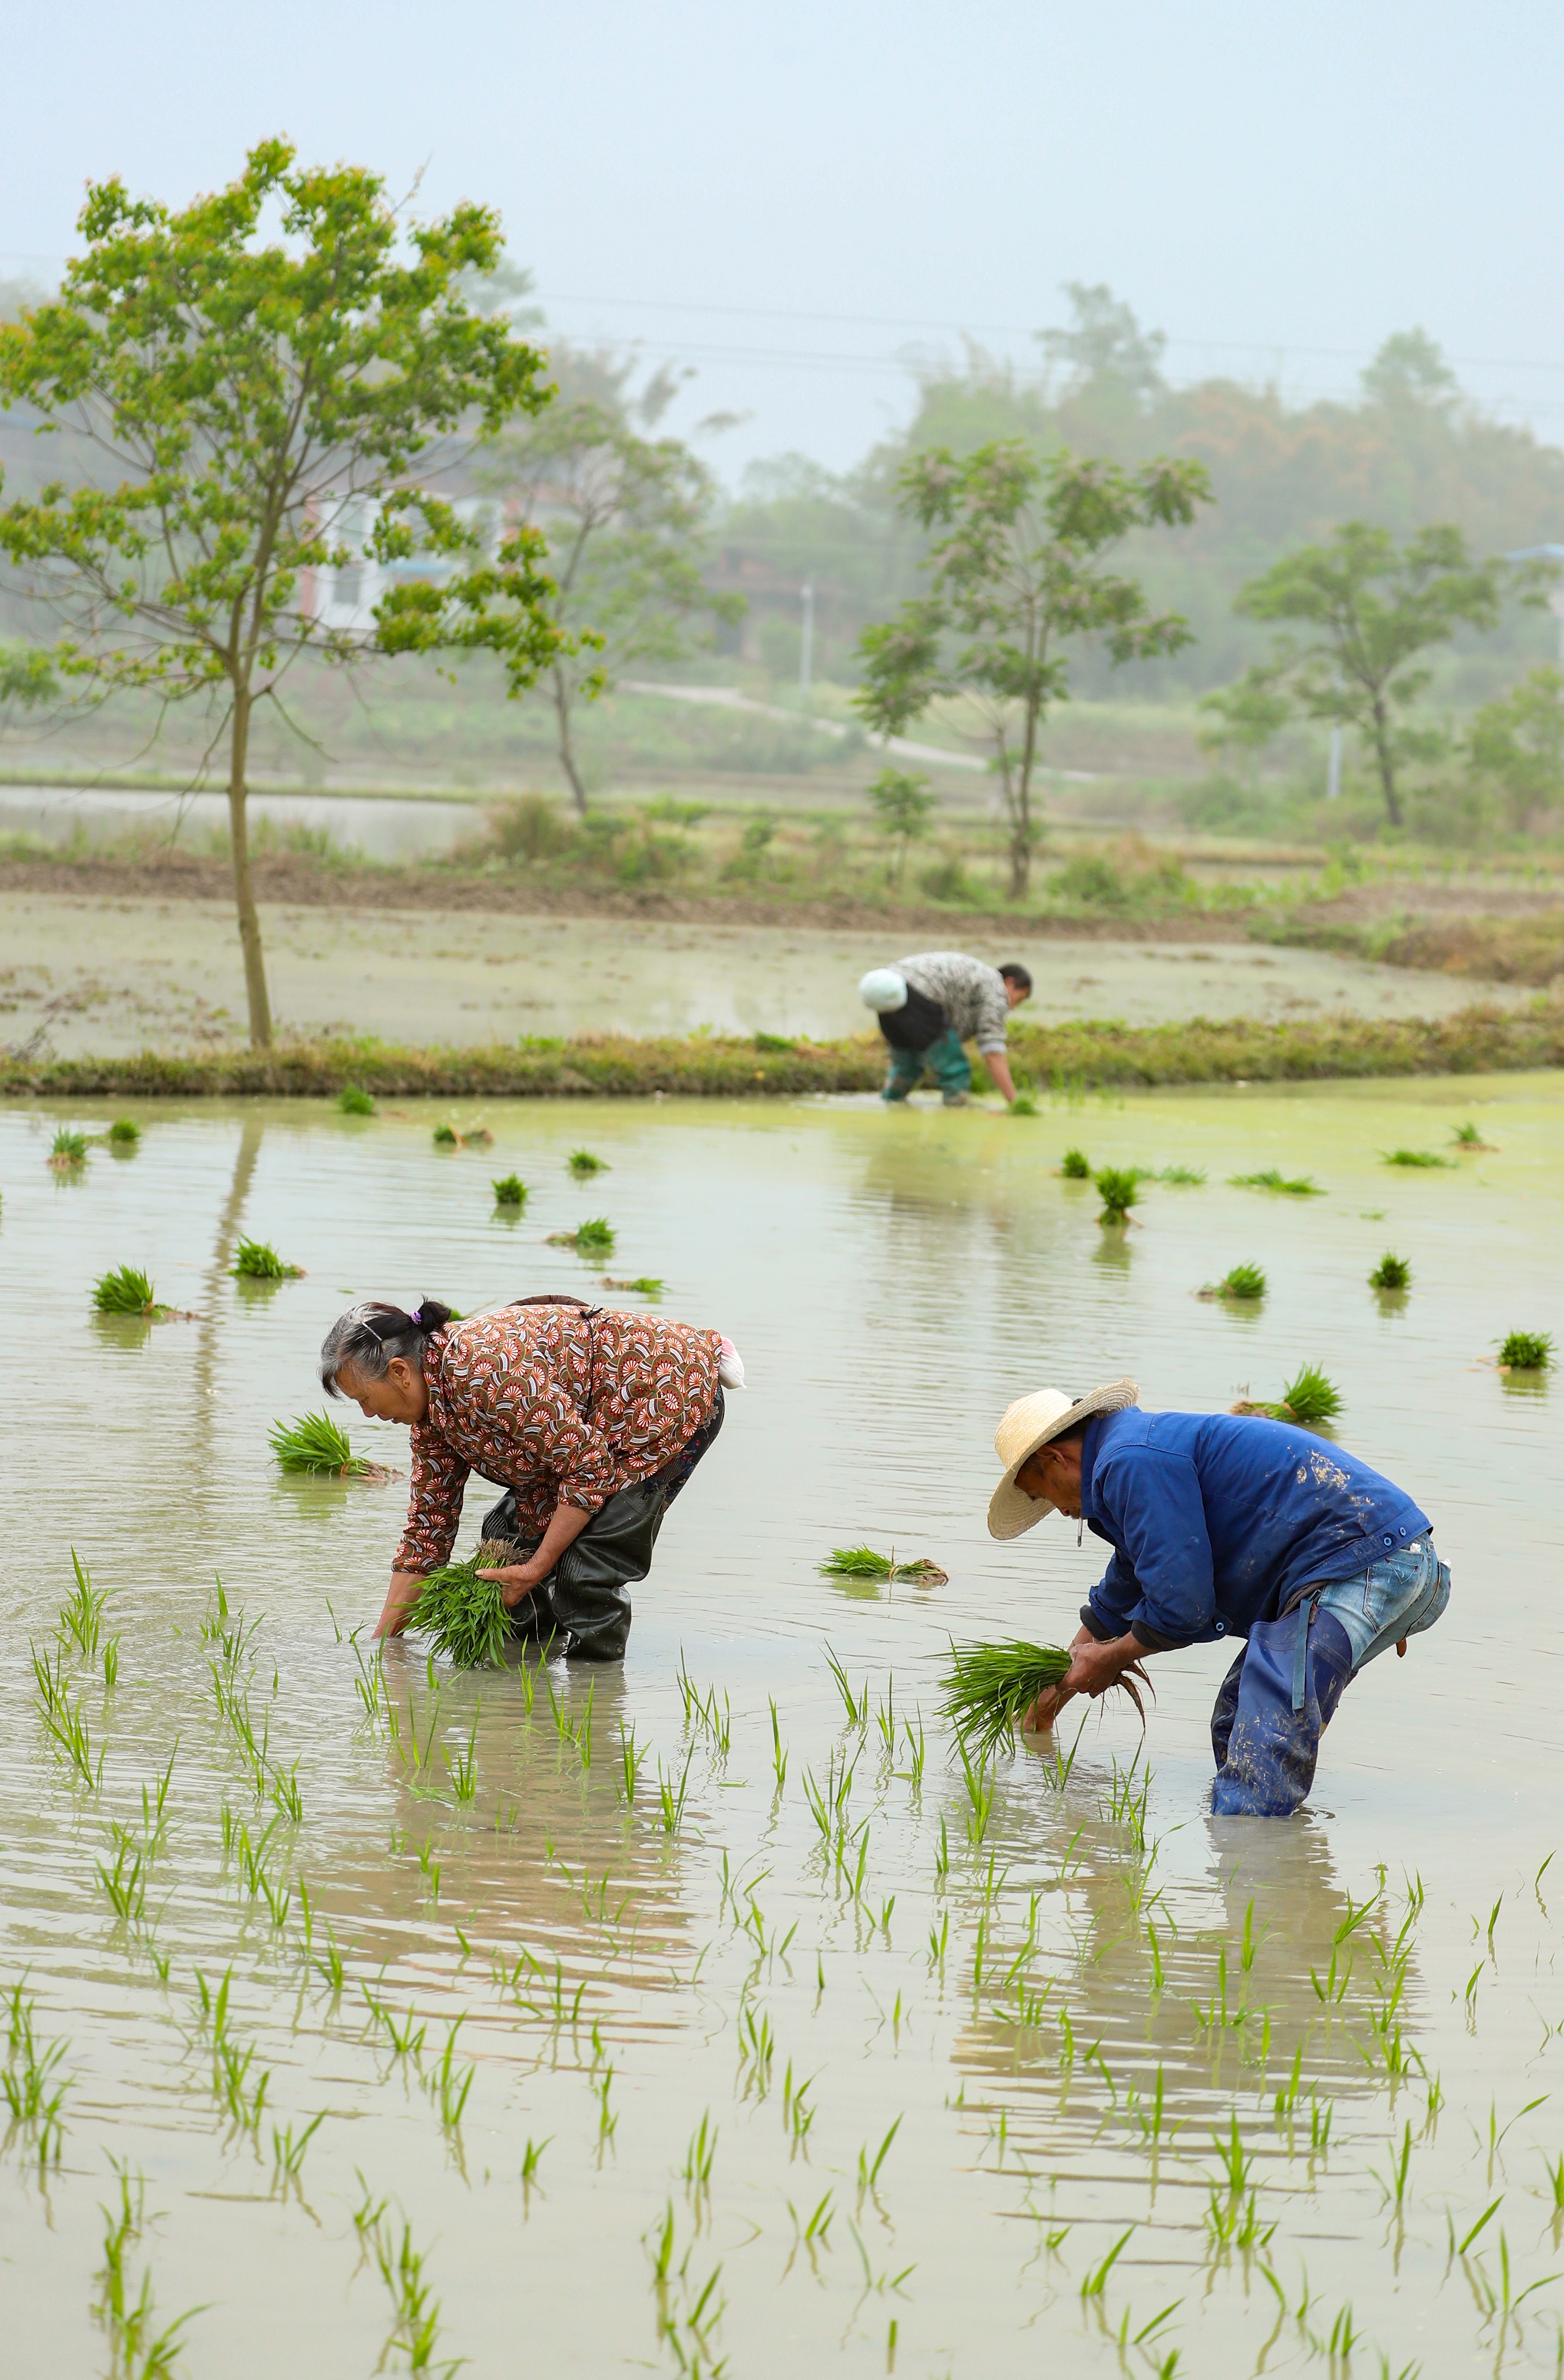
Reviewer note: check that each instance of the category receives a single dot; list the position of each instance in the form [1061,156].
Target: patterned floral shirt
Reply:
[560,1408]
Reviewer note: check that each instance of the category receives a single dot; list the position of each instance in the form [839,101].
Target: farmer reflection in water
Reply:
[1224,1525]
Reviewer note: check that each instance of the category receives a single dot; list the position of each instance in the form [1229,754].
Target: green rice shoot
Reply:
[1118,1188]
[989,1688]
[445,1135]
[1182,1177]
[354,1099]
[583,1164]
[1270,1177]
[510,1190]
[1466,1135]
[1309,1397]
[315,1444]
[125,1291]
[645,1284]
[593,1238]
[463,1615]
[1424,1159]
[67,1148]
[259,1260]
[1526,1351]
[862,1561]
[1241,1281]
[124,1133]
[1025,1104]
[1391,1272]
[1076,1165]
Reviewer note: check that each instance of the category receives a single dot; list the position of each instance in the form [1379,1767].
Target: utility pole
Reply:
[806,648]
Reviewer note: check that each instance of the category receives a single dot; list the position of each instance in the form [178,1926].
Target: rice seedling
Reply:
[68,1151]
[1025,1104]
[287,2150]
[532,2157]
[28,2079]
[127,2323]
[583,1164]
[1420,1159]
[1242,1281]
[1309,1397]
[510,1190]
[464,1767]
[126,1290]
[1270,1177]
[1466,1135]
[123,1134]
[464,1616]
[1183,1177]
[259,1260]
[1526,1351]
[869,2168]
[1118,1188]
[416,2325]
[81,1613]
[315,1443]
[595,1237]
[447,2085]
[646,1284]
[62,1718]
[1391,1272]
[989,1687]
[862,1561]
[445,1135]
[354,1099]
[1076,1165]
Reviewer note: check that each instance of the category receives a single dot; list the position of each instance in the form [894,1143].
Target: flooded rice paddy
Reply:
[590,2021]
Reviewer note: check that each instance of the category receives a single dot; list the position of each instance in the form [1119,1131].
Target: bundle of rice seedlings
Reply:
[354,1099]
[258,1260]
[1182,1176]
[646,1284]
[1118,1188]
[1466,1135]
[1526,1351]
[126,1290]
[583,1164]
[1270,1177]
[510,1190]
[1390,1272]
[445,1135]
[124,1133]
[315,1443]
[68,1151]
[1025,1104]
[862,1561]
[1418,1157]
[989,1687]
[463,1615]
[592,1238]
[1309,1398]
[1076,1165]
[478,1138]
[1243,1280]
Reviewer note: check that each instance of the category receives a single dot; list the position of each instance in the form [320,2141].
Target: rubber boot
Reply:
[583,1601]
[1267,1751]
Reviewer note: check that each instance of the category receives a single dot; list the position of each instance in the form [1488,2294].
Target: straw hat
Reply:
[1029,1423]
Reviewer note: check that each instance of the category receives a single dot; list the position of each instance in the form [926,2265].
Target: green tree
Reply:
[26,679]
[1244,718]
[260,391]
[903,806]
[1373,607]
[1017,568]
[1517,745]
[624,518]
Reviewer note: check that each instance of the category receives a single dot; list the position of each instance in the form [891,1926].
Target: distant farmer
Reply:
[929,1004]
[1223,1525]
[591,1420]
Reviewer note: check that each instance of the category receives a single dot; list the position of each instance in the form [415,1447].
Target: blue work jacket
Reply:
[1219,1520]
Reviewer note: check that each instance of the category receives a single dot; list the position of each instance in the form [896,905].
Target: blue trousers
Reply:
[944,1059]
[1282,1693]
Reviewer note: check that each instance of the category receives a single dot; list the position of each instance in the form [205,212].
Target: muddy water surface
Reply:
[1063,2079]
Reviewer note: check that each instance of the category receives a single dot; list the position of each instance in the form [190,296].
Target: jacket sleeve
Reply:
[993,1012]
[435,1505]
[1160,1585]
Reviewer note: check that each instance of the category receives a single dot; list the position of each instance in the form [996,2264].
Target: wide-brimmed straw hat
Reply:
[1029,1423]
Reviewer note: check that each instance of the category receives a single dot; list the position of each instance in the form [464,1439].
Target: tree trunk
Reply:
[244,889]
[1386,763]
[566,749]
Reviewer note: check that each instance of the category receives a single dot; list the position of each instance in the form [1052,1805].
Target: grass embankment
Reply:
[1528,948]
[1475,1041]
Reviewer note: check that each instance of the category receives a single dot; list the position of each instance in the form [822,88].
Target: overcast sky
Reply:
[793,198]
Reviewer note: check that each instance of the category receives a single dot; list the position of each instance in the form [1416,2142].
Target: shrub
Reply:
[125,1291]
[354,1099]
[1118,1188]
[1076,1165]
[1390,1272]
[1526,1351]
[529,829]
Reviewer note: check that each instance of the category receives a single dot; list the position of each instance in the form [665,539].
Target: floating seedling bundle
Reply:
[510,1190]
[123,1134]
[128,1290]
[584,1164]
[1270,1177]
[1076,1165]
[1424,1159]
[592,1238]
[862,1561]
[1118,1188]
[1391,1272]
[259,1260]
[1309,1397]
[354,1099]
[989,1687]
[1526,1351]
[1244,1282]
[313,1443]
[646,1284]
[67,1151]
[464,1616]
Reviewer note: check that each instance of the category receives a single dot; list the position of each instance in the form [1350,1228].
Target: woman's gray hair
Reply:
[365,1339]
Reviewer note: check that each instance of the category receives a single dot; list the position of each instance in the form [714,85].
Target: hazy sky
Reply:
[793,198]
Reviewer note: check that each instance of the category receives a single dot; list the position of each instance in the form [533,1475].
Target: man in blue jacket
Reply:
[1221,1526]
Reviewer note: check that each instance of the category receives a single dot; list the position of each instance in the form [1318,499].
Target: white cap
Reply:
[883,988]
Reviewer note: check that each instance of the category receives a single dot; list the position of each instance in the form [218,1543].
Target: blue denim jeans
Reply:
[1282,1693]
[944,1059]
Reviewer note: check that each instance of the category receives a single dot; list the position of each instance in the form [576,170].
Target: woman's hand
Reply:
[405,1591]
[518,1580]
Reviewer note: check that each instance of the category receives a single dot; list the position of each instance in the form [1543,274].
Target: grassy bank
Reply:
[1525,948]
[1475,1041]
